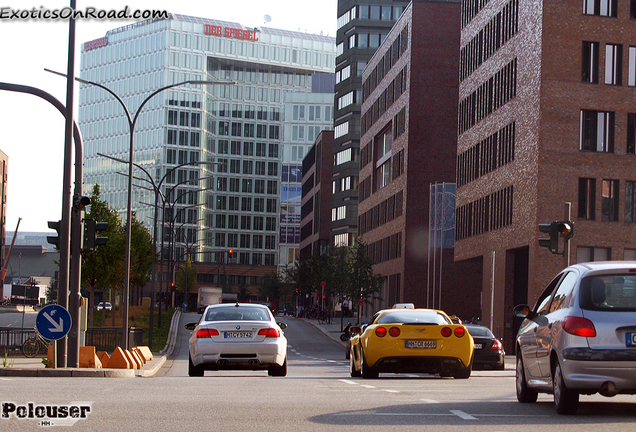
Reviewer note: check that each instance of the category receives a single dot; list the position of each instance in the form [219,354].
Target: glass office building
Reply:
[248,130]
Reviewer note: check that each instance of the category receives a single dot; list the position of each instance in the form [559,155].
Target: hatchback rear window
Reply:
[609,293]
[236,314]
[407,316]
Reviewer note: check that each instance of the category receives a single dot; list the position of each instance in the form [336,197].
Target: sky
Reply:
[32,130]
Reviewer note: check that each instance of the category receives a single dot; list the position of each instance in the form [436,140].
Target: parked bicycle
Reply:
[324,317]
[34,344]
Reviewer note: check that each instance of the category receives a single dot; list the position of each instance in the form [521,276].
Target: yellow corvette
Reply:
[410,341]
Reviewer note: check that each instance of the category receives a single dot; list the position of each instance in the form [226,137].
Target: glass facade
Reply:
[241,131]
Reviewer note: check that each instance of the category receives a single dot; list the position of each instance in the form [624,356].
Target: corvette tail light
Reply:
[206,333]
[394,331]
[447,332]
[380,332]
[496,346]
[269,332]
[579,326]
[460,332]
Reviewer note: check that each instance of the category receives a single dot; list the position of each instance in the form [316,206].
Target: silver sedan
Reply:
[580,337]
[237,336]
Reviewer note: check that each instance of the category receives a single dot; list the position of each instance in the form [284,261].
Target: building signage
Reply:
[97,43]
[230,32]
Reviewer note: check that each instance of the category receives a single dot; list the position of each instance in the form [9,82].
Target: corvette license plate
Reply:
[630,339]
[421,344]
[237,335]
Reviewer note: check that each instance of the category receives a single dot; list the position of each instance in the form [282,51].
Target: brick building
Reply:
[546,116]
[408,144]
[315,211]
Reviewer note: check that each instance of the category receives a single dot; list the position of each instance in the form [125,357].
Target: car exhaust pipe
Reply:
[222,362]
[254,362]
[608,389]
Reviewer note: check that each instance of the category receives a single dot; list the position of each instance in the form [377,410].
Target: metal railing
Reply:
[102,338]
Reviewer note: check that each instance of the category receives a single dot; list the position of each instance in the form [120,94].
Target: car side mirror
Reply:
[190,326]
[283,326]
[355,329]
[522,311]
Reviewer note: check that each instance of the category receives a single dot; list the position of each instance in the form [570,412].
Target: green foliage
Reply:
[347,272]
[271,287]
[191,270]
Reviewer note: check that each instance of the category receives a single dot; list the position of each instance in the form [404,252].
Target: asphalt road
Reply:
[317,395]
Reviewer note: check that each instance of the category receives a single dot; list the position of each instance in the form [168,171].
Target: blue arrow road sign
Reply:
[53,322]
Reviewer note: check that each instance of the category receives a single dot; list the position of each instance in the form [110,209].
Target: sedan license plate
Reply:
[479,346]
[421,344]
[630,339]
[237,335]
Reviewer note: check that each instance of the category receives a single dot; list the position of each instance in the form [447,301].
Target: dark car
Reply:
[489,352]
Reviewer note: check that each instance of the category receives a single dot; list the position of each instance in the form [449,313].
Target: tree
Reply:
[191,271]
[271,287]
[103,268]
[362,282]
[140,254]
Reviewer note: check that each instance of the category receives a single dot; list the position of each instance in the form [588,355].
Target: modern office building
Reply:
[547,116]
[362,27]
[241,129]
[407,163]
[305,115]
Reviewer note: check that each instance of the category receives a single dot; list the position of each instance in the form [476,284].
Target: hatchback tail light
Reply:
[579,326]
[269,332]
[206,333]
[496,346]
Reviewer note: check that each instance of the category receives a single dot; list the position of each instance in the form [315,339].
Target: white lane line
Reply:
[390,391]
[431,401]
[367,386]
[348,382]
[463,415]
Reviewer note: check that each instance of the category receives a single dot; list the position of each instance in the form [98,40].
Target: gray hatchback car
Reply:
[580,337]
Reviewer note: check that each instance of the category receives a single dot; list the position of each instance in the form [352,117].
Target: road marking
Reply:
[431,401]
[463,415]
[367,386]
[348,382]
[390,391]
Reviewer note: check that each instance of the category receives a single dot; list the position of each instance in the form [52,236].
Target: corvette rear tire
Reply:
[365,370]
[352,367]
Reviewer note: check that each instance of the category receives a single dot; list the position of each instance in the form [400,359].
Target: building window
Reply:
[589,70]
[630,201]
[383,174]
[589,254]
[613,64]
[587,198]
[609,201]
[597,131]
[605,8]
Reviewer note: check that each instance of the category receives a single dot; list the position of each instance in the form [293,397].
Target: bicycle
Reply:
[32,346]
[324,317]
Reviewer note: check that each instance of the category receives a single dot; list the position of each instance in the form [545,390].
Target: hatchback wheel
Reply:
[524,393]
[566,401]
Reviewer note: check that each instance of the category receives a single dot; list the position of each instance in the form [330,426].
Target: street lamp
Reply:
[132,121]
[156,188]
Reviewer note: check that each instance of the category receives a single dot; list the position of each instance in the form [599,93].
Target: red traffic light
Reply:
[229,252]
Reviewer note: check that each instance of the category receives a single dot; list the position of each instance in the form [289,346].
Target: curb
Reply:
[172,334]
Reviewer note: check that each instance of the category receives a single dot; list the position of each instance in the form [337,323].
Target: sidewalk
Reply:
[20,366]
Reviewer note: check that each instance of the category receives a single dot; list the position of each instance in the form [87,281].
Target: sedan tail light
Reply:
[496,346]
[206,333]
[269,332]
[579,326]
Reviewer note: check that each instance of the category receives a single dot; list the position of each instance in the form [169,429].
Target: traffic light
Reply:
[54,240]
[171,286]
[93,229]
[229,253]
[564,228]
[80,202]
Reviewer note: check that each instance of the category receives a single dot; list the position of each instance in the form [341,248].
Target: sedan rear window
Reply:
[609,293]
[236,314]
[413,317]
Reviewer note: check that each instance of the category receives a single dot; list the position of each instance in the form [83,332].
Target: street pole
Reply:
[566,241]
